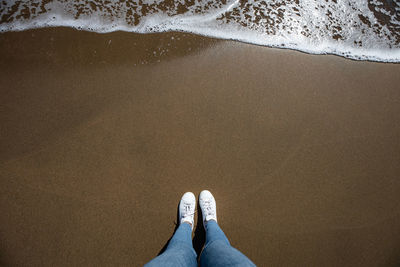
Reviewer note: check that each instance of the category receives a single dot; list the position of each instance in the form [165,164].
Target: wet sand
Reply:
[102,134]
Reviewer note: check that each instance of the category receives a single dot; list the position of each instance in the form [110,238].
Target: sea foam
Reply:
[357,29]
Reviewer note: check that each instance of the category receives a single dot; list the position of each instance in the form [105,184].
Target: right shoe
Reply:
[208,206]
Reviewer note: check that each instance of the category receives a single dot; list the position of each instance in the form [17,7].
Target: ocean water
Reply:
[357,29]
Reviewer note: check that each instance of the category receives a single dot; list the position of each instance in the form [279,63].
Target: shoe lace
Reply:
[208,210]
[188,210]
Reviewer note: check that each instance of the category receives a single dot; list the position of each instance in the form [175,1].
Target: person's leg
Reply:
[214,232]
[180,250]
[217,250]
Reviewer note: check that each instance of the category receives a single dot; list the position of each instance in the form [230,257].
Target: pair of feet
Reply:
[187,207]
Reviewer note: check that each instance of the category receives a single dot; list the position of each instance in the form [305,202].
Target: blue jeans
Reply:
[217,250]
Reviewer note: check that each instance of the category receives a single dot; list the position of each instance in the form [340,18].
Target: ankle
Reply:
[187,222]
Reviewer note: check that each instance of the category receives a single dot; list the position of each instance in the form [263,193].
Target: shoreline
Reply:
[181,34]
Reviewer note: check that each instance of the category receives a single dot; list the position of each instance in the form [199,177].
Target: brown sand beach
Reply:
[101,134]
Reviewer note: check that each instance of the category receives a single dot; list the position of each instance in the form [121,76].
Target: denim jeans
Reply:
[217,250]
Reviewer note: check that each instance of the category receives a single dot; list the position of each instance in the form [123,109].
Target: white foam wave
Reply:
[354,29]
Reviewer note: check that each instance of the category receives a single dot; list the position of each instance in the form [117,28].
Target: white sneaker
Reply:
[208,206]
[187,208]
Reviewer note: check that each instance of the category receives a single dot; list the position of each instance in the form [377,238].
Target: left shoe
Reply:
[187,208]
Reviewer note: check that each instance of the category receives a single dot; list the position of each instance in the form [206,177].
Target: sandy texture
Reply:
[99,140]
